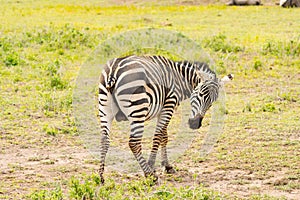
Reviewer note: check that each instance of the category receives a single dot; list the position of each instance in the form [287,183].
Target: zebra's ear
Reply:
[226,79]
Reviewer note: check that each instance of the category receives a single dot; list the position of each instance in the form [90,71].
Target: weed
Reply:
[52,39]
[268,107]
[12,59]
[282,48]
[219,43]
[51,68]
[221,68]
[292,47]
[55,194]
[49,103]
[50,130]
[163,194]
[248,108]
[85,190]
[5,44]
[264,197]
[196,193]
[88,187]
[257,64]
[57,83]
[271,48]
[288,96]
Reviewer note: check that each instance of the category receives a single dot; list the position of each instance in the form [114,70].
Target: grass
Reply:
[89,187]
[42,46]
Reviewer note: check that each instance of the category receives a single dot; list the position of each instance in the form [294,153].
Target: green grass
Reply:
[89,187]
[42,46]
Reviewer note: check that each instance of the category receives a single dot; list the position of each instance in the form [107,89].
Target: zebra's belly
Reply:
[120,116]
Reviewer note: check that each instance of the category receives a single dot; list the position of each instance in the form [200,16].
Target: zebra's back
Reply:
[139,85]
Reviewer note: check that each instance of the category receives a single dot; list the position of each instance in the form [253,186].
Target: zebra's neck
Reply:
[189,78]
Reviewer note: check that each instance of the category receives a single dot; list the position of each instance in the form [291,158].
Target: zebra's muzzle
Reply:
[195,122]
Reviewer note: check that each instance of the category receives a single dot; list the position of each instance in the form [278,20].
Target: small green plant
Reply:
[292,47]
[5,44]
[269,107]
[221,68]
[50,130]
[38,195]
[247,108]
[257,65]
[12,59]
[67,101]
[164,194]
[57,83]
[271,48]
[86,189]
[55,194]
[287,97]
[49,102]
[51,68]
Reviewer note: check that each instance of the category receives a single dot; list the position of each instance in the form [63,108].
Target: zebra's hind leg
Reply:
[103,151]
[106,106]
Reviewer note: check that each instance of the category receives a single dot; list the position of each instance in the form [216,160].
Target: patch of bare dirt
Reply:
[237,183]
[23,170]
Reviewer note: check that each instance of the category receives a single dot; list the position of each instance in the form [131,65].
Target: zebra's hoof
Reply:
[170,170]
[102,180]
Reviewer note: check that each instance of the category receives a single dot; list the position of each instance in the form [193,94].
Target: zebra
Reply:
[289,3]
[139,88]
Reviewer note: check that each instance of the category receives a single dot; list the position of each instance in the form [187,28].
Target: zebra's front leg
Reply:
[160,139]
[135,145]
[156,142]
[164,156]
[161,136]
[162,125]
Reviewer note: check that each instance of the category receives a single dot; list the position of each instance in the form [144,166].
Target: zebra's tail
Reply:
[110,83]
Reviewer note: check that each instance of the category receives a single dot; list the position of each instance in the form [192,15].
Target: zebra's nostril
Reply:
[195,122]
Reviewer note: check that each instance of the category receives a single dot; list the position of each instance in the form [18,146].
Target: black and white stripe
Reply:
[139,88]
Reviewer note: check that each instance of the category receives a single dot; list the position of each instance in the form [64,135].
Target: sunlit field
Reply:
[43,45]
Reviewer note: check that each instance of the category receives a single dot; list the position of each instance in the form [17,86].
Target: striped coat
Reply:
[137,89]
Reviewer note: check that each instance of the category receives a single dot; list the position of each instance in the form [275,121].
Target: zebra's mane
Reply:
[203,68]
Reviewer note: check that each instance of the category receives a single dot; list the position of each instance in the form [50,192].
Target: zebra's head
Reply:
[202,98]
